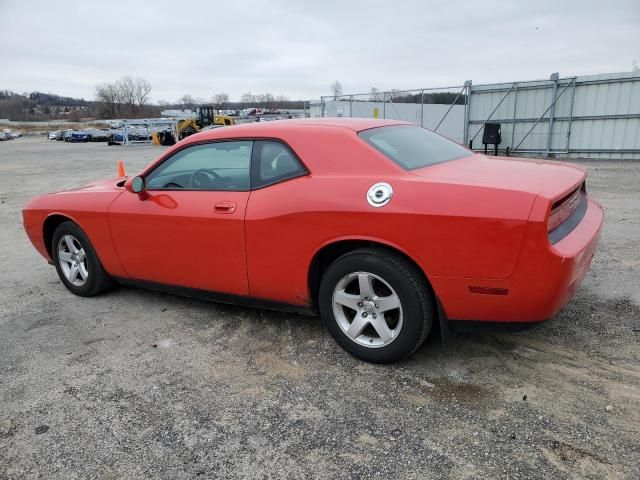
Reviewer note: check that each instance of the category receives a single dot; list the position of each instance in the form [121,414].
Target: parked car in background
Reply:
[8,134]
[382,227]
[53,135]
[139,134]
[116,136]
[60,135]
[80,136]
[4,136]
[99,135]
[66,136]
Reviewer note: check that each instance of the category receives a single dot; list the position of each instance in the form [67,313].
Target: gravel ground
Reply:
[134,384]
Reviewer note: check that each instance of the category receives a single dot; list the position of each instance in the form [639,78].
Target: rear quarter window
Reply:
[411,146]
[274,162]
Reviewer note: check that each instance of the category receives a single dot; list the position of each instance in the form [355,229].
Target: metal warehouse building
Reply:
[595,116]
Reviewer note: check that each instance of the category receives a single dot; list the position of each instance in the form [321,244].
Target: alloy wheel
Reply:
[73,260]
[367,309]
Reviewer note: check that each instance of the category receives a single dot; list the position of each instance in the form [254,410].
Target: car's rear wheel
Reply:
[76,261]
[376,304]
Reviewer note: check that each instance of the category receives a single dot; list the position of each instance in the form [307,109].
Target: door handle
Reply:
[225,207]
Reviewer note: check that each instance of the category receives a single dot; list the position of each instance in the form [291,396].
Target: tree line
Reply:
[127,97]
[36,106]
[222,101]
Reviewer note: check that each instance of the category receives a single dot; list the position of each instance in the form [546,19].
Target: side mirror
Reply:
[136,184]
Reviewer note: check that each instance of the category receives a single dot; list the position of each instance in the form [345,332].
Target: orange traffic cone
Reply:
[121,172]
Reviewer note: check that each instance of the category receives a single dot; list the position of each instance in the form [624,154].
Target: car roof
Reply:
[273,127]
[356,124]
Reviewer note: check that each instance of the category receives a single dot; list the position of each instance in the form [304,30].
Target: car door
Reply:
[187,227]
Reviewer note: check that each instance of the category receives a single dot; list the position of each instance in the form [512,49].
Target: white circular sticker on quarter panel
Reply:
[380,194]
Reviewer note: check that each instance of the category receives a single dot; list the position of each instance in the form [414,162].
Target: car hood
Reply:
[539,177]
[95,196]
[109,184]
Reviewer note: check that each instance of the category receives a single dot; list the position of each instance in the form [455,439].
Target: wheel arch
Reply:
[330,251]
[51,222]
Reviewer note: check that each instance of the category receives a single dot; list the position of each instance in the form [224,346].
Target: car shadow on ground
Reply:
[585,324]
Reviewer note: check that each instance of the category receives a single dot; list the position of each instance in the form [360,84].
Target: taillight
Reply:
[563,208]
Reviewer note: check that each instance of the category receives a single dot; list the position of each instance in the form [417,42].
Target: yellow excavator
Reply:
[205,116]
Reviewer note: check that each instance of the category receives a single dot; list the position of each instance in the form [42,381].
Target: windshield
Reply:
[411,146]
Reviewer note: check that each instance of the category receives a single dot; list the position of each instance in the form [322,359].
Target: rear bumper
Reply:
[574,254]
[545,278]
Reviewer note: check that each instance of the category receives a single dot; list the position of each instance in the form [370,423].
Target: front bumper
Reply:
[32,221]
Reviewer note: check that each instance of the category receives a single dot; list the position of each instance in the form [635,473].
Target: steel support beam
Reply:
[513,123]
[573,95]
[543,114]
[613,116]
[422,108]
[554,77]
[467,110]
[384,104]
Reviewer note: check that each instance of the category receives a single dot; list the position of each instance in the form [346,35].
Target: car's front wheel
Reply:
[76,261]
[376,304]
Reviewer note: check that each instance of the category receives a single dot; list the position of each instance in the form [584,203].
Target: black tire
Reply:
[414,294]
[98,279]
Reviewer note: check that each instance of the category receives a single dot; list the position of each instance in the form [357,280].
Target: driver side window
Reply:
[212,166]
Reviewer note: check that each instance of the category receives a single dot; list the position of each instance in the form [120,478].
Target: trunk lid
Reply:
[548,178]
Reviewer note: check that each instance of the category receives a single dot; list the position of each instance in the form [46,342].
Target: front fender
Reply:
[87,209]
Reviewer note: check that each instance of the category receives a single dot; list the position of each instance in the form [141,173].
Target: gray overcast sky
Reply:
[298,48]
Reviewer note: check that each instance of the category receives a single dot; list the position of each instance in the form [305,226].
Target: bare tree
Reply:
[187,101]
[248,98]
[134,93]
[336,89]
[267,100]
[75,115]
[13,106]
[220,99]
[142,92]
[127,87]
[126,96]
[109,95]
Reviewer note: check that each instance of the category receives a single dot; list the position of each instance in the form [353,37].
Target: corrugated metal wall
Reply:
[595,116]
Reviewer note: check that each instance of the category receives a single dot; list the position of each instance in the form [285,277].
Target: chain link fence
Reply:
[439,109]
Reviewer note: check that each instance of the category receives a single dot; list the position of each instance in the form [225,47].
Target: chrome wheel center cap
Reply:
[368,306]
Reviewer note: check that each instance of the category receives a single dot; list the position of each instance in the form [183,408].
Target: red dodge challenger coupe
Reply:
[381,226]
